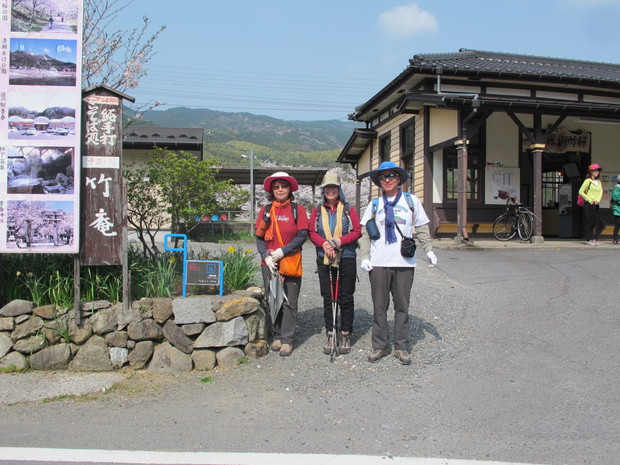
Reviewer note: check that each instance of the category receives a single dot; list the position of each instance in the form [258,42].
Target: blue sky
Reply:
[63,50]
[318,60]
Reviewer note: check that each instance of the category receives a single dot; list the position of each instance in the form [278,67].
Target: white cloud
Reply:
[407,21]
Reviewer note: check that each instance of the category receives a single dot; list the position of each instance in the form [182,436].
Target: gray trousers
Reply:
[286,321]
[383,282]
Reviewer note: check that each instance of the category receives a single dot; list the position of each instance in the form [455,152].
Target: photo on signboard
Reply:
[41,170]
[47,16]
[39,225]
[42,62]
[46,115]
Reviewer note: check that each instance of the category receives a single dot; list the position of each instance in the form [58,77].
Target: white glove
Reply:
[271,265]
[365,265]
[277,254]
[432,258]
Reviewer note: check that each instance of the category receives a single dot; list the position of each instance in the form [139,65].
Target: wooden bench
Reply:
[473,228]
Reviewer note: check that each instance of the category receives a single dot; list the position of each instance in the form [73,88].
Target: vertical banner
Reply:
[40,94]
[103,218]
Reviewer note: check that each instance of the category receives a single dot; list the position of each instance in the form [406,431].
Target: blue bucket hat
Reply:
[388,166]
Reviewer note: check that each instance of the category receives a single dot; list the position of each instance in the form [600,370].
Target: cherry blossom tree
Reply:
[112,56]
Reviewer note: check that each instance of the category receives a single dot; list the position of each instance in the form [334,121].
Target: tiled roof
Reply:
[506,64]
[153,134]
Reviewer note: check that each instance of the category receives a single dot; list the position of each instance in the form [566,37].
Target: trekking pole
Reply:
[334,286]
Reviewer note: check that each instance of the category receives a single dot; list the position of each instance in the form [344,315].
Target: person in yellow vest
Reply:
[334,230]
[592,192]
[281,230]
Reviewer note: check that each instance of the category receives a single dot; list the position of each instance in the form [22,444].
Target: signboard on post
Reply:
[103,201]
[205,273]
[40,90]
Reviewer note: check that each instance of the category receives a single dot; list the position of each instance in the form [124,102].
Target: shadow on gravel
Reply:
[417,329]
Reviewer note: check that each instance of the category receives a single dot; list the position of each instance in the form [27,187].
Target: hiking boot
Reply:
[327,348]
[402,356]
[286,350]
[276,345]
[345,342]
[376,355]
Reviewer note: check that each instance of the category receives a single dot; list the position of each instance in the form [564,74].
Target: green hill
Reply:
[274,141]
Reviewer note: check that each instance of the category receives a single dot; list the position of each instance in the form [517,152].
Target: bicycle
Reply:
[517,219]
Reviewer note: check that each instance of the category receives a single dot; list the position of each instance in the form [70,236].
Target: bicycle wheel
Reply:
[504,228]
[525,226]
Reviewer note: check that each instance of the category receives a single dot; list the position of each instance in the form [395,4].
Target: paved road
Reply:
[515,360]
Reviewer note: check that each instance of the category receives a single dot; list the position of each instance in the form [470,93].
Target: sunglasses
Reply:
[276,185]
[383,177]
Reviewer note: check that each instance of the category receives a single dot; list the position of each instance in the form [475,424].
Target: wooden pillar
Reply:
[537,151]
[461,205]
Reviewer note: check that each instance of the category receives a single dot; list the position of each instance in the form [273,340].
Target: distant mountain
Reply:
[222,127]
[21,59]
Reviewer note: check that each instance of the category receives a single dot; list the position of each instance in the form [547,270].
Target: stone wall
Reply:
[161,334]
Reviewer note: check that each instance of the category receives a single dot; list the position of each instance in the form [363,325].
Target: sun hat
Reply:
[280,175]
[388,166]
[595,166]
[330,179]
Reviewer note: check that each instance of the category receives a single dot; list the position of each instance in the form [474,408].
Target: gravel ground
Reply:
[426,329]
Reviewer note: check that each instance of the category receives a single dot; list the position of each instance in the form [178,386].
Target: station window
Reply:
[551,182]
[385,145]
[451,174]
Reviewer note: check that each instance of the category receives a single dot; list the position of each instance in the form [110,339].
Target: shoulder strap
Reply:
[294,208]
[375,206]
[409,199]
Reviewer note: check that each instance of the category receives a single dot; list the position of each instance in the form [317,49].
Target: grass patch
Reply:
[207,379]
[75,397]
[243,360]
[12,369]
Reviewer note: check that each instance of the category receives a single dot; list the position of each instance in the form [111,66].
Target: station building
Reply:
[473,127]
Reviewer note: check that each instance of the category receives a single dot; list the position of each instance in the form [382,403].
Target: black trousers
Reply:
[347,274]
[593,223]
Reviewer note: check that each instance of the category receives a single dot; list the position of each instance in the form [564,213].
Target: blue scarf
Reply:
[390,231]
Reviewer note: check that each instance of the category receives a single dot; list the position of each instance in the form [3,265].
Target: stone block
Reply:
[168,359]
[190,310]
[105,321]
[5,344]
[118,356]
[47,312]
[223,334]
[95,305]
[51,358]
[17,307]
[229,357]
[256,349]
[92,356]
[146,330]
[162,309]
[80,334]
[7,323]
[204,360]
[177,337]
[141,354]
[14,359]
[30,345]
[236,307]
[193,329]
[117,339]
